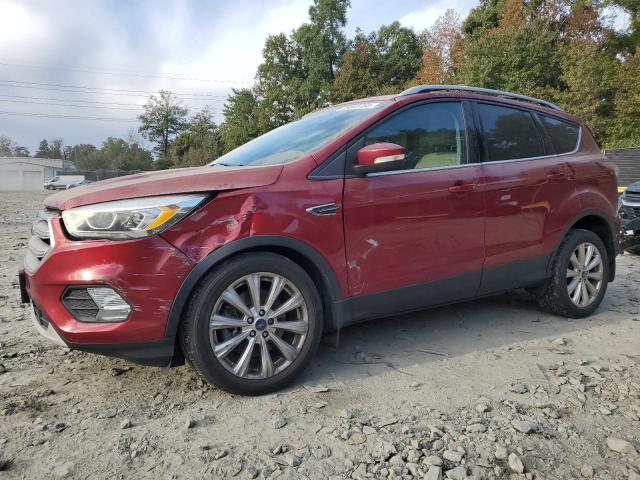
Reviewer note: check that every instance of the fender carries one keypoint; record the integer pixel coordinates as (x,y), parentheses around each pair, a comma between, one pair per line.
(336,305)
(614,235)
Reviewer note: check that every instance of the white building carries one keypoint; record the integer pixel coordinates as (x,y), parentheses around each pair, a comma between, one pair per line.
(26,173)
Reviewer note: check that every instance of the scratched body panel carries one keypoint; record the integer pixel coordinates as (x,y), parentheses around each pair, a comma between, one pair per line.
(277,209)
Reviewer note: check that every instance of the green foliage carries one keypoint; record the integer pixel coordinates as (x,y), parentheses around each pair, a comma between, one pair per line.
(522,59)
(296,74)
(55,148)
(624,129)
(114,154)
(484,16)
(9,148)
(399,55)
(164,116)
(20,151)
(43,150)
(199,144)
(241,124)
(378,63)
(561,50)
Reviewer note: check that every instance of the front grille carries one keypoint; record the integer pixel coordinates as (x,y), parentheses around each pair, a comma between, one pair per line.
(629,213)
(632,196)
(40,242)
(80,304)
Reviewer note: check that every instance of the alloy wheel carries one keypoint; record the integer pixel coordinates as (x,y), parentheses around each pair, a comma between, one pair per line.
(258,325)
(584,274)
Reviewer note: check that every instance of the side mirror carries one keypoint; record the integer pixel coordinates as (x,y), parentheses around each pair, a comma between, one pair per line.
(379,157)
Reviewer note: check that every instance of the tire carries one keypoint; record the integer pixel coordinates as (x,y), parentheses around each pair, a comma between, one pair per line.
(554,297)
(633,250)
(259,375)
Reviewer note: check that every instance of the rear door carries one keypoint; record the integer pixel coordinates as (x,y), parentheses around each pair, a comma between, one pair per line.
(415,237)
(526,185)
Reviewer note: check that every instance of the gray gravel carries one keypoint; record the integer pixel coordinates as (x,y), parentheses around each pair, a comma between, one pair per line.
(491,389)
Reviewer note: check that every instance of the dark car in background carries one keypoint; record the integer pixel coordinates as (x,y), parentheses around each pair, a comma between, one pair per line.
(630,219)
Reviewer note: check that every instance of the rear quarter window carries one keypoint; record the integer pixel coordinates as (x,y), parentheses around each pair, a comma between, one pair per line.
(509,133)
(563,135)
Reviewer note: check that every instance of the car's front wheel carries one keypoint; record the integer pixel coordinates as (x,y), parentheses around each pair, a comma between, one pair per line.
(253,324)
(580,274)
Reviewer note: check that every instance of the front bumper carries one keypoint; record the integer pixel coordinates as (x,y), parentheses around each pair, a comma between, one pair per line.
(147,272)
(158,353)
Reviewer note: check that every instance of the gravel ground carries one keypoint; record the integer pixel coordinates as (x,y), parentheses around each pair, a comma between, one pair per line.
(487,389)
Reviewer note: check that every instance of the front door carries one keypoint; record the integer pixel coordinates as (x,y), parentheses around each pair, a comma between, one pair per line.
(415,237)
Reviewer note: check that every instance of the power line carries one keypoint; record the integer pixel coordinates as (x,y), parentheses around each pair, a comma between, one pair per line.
(70,100)
(129,73)
(70,105)
(75,103)
(67,117)
(103,91)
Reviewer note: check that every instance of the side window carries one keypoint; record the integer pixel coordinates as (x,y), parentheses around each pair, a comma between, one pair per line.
(563,135)
(433,134)
(509,133)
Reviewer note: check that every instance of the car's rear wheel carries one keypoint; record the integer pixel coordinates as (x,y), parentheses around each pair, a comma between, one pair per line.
(579,279)
(253,324)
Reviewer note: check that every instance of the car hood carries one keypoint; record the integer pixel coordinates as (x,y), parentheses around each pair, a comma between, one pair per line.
(165,182)
(634,188)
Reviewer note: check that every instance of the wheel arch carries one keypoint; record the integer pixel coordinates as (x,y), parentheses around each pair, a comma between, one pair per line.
(596,221)
(298,251)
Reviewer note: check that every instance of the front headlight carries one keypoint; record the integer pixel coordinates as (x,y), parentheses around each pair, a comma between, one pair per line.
(126,219)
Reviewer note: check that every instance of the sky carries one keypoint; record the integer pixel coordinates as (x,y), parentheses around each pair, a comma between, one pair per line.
(97,61)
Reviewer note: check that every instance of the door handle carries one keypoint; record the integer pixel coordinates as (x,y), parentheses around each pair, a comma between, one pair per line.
(556,176)
(463,188)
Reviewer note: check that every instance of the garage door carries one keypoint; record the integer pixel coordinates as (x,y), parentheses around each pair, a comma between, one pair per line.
(10,180)
(32,180)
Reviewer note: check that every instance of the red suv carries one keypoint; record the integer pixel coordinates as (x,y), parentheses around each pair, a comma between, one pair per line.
(361,210)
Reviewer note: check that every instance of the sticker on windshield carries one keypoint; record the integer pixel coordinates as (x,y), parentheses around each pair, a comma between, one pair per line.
(358,106)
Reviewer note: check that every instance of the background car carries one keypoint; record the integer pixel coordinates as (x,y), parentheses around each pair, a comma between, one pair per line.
(86,181)
(630,219)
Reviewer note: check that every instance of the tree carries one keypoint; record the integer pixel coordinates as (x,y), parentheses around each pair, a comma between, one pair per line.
(298,70)
(381,62)
(399,55)
(114,154)
(9,148)
(441,50)
(55,148)
(43,150)
(627,42)
(164,116)
(19,151)
(359,75)
(82,156)
(199,144)
(240,124)
(624,130)
(6,146)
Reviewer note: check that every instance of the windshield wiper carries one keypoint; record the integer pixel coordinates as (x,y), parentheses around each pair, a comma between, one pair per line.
(227,164)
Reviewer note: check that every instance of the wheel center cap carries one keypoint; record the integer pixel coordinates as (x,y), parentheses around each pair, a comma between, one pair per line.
(261,324)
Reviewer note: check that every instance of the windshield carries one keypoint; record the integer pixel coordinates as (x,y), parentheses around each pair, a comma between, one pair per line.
(297,139)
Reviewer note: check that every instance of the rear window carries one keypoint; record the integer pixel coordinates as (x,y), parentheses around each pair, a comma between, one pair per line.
(563,135)
(509,133)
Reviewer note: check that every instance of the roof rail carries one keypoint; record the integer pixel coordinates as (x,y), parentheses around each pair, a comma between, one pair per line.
(485,91)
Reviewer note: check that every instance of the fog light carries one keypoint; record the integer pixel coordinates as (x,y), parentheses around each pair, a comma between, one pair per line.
(111,306)
(96,304)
